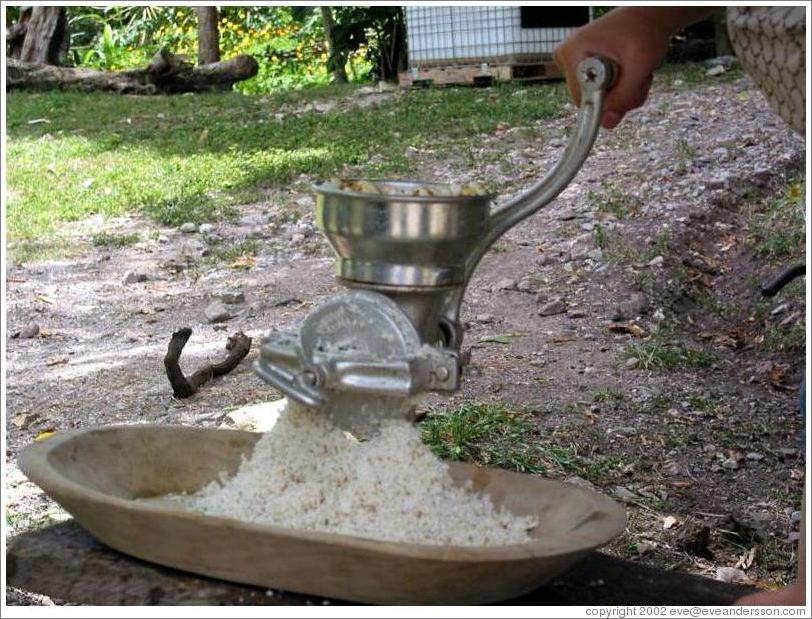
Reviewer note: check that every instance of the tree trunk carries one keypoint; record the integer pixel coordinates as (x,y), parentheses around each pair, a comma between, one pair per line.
(723,47)
(208,37)
(15,34)
(46,36)
(335,61)
(166,74)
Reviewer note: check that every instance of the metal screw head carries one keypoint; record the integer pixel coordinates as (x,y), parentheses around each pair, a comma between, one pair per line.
(442,373)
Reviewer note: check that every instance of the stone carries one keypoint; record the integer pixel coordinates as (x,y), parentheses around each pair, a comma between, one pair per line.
(795,516)
(576,313)
(643,548)
(788,453)
(505,284)
(556,306)
(732,575)
(716,70)
(656,261)
(134,277)
(589,226)
(252,220)
(626,431)
(525,285)
(206,229)
(727,62)
(780,309)
(232,297)
(305,202)
(29,331)
(636,305)
(484,318)
(297,238)
(575,480)
(624,494)
(217,312)
(162,238)
(595,254)
(709,448)
(754,456)
(188,228)
(555,143)
(730,464)
(718,182)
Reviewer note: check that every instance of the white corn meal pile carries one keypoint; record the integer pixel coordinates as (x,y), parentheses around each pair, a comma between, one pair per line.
(307,474)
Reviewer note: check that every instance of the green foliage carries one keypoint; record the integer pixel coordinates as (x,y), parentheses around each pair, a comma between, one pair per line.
(778,226)
(108,239)
(493,435)
(657,355)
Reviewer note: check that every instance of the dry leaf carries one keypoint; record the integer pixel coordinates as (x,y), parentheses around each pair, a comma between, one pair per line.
(45,434)
(746,560)
(56,360)
(631,329)
(680,484)
(43,299)
(244,262)
(561,339)
(669,522)
(777,374)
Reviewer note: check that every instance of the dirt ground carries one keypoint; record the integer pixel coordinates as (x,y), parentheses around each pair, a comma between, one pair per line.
(653,233)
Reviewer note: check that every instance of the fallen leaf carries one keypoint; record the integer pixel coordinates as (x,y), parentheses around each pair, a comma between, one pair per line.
(631,329)
(56,360)
(24,420)
(746,560)
(669,522)
(244,262)
(561,339)
(681,484)
(45,434)
(503,338)
(796,474)
(43,299)
(777,374)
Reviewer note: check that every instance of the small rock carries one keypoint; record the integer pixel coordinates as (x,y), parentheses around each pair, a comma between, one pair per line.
(658,316)
(217,312)
(732,575)
(305,202)
(643,548)
(636,305)
(484,318)
(555,143)
(728,62)
(589,226)
(134,277)
(788,453)
(714,71)
(29,331)
(631,363)
(595,254)
(709,448)
(525,285)
(252,219)
(656,261)
(576,313)
(624,494)
(220,327)
(24,420)
(232,298)
(188,228)
(780,309)
(162,238)
(505,284)
(575,480)
(556,306)
(678,83)
(626,431)
(718,182)
(297,238)
(754,456)
(730,464)
(206,229)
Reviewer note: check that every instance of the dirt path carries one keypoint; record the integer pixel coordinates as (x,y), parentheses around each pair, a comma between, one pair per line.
(653,230)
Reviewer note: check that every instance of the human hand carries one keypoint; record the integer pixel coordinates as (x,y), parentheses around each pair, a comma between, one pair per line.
(636,39)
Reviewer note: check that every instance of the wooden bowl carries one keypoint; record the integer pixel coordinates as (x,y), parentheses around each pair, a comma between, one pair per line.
(96,474)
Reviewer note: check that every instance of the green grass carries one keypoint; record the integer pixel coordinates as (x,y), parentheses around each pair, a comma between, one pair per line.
(658,355)
(192,158)
(114,241)
(699,403)
(608,394)
(615,202)
(600,236)
(493,435)
(249,247)
(777,226)
(780,339)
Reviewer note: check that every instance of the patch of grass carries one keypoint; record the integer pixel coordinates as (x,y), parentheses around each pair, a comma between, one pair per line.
(658,355)
(685,155)
(249,247)
(193,158)
(699,403)
(691,74)
(602,470)
(616,202)
(780,339)
(493,435)
(608,394)
(600,236)
(114,241)
(778,226)
(25,251)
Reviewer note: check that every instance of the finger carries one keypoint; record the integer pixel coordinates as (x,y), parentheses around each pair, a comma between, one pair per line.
(610,120)
(567,68)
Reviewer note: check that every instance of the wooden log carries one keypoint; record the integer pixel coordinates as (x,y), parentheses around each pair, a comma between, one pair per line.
(165,74)
(66,563)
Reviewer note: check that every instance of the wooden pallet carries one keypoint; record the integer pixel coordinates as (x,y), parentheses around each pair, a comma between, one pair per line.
(480,74)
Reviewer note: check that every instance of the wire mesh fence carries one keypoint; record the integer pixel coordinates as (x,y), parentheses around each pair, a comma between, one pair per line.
(442,36)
